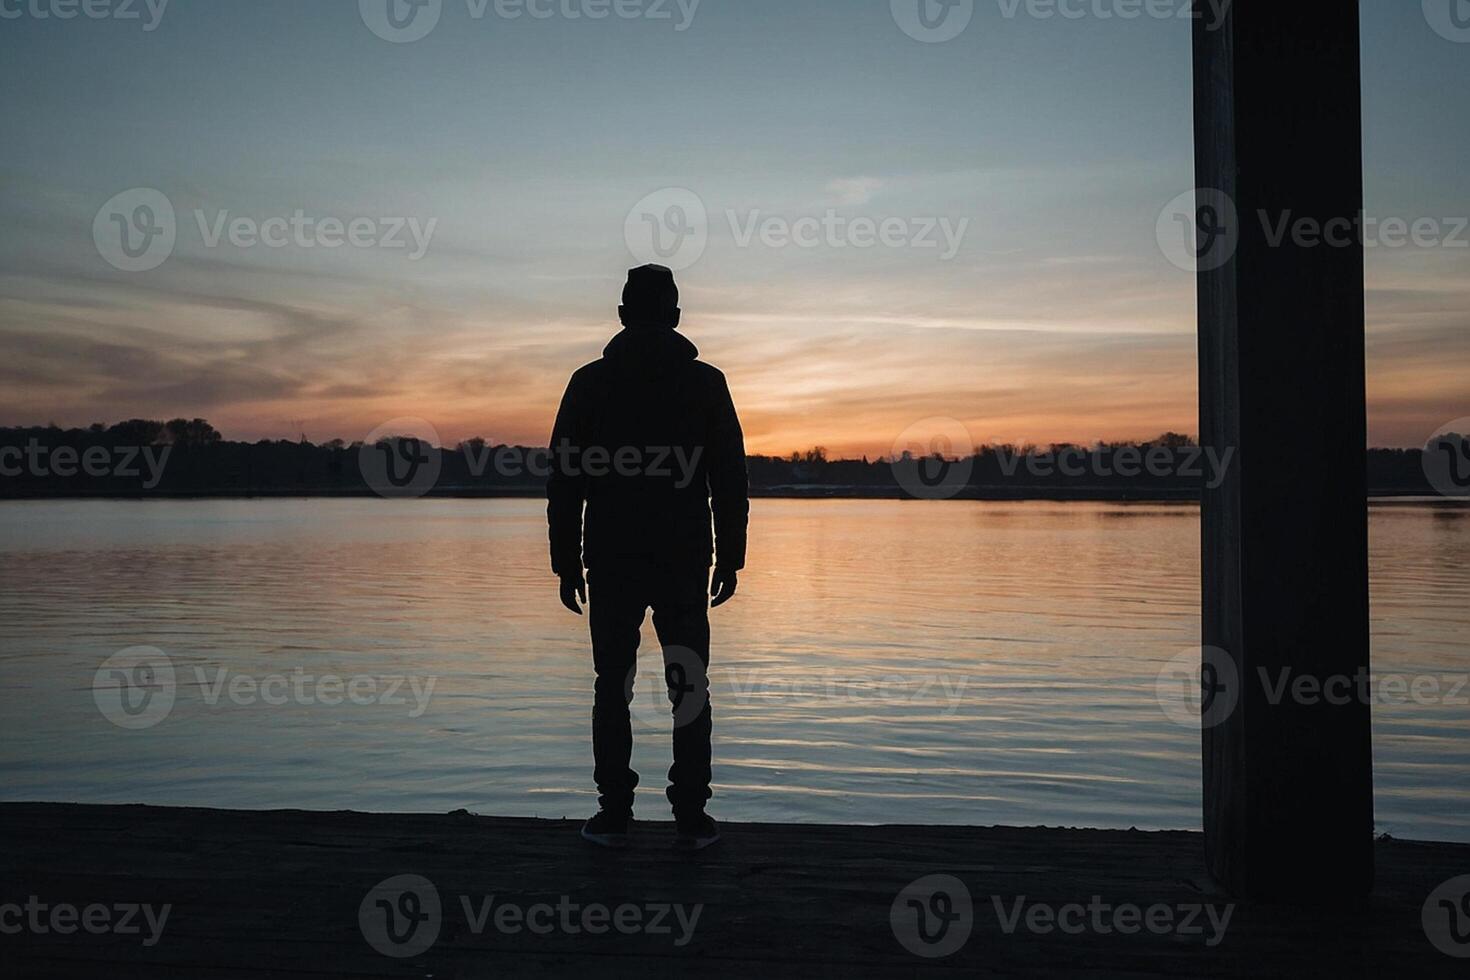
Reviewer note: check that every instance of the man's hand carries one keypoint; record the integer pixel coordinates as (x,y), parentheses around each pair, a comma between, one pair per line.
(574,592)
(723,586)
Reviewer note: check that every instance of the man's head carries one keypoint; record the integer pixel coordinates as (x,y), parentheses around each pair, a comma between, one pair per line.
(650,299)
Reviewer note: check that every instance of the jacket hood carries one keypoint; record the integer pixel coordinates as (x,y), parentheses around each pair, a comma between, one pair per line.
(650,348)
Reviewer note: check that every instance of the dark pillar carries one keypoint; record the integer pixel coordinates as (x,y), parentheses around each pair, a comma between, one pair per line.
(1288,783)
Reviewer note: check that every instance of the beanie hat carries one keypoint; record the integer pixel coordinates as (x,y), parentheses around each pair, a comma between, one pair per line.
(651,290)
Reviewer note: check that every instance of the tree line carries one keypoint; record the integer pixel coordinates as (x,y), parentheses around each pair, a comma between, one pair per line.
(189,457)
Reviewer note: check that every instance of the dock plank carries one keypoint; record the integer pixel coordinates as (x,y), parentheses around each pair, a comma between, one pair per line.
(279,894)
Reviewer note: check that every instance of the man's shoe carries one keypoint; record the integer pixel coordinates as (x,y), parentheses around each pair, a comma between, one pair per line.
(608,829)
(695,833)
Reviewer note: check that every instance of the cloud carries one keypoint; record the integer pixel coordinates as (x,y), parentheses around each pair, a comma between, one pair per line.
(852,192)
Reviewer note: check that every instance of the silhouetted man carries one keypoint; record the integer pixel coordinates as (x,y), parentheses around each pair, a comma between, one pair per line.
(647,439)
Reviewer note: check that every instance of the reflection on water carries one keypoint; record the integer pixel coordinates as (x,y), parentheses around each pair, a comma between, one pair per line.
(885,661)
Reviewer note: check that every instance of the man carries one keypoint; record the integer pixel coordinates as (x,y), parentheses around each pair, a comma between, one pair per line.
(647,440)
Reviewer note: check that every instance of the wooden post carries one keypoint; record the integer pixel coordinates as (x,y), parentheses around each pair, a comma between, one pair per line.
(1288,778)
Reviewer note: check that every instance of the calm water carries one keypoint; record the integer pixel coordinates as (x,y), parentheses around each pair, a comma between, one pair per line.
(885,661)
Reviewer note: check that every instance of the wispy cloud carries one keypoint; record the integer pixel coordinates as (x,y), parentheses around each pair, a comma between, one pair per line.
(852,192)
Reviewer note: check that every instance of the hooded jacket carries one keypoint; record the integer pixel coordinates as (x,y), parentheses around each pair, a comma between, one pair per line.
(648,442)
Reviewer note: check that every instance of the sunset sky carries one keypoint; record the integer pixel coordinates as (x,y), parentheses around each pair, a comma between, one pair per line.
(1055,142)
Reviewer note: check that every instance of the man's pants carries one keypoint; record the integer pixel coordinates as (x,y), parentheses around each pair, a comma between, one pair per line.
(621,592)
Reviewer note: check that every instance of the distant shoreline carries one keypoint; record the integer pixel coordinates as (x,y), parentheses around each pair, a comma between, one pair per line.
(813,492)
(188,459)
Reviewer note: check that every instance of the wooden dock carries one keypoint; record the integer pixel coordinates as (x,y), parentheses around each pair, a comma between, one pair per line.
(297,894)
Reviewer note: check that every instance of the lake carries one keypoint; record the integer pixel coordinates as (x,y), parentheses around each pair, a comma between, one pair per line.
(885,661)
